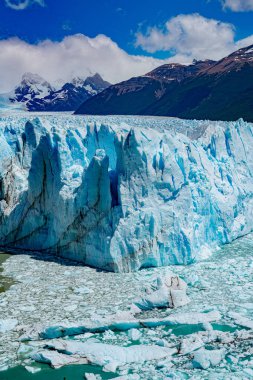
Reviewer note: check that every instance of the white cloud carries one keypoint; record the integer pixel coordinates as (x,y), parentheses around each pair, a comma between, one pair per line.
(19,5)
(75,55)
(238,5)
(191,36)
(187,37)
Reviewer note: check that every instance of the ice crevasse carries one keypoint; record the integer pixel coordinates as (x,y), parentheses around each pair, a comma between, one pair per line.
(123,193)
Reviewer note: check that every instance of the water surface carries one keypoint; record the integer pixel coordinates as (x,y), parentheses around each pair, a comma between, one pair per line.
(71,372)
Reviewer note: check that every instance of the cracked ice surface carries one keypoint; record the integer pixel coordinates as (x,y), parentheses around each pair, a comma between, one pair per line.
(124,193)
(50,293)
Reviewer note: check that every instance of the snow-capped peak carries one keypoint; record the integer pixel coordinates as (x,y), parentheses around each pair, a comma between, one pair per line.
(36,94)
(32,78)
(78,82)
(31,86)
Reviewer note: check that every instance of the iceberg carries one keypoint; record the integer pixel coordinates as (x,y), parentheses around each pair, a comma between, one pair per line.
(124,193)
(100,353)
(7,325)
(203,358)
(114,323)
(165,292)
(56,359)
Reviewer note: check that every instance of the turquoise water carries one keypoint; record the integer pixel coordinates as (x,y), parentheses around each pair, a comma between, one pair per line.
(192,329)
(71,372)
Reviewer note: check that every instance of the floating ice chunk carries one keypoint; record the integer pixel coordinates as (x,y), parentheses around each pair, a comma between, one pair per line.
(3,367)
(114,323)
(56,359)
(191,343)
(183,319)
(111,366)
(241,320)
(25,350)
(248,372)
(244,334)
(91,376)
(27,308)
(204,359)
(32,369)
(7,325)
(103,354)
(207,326)
(71,308)
(134,334)
(133,376)
(162,343)
(83,290)
(168,292)
(193,280)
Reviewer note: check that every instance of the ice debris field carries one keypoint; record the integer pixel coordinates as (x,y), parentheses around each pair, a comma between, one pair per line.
(63,314)
(122,194)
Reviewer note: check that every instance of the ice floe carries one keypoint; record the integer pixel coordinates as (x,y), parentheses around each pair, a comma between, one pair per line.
(205,358)
(46,304)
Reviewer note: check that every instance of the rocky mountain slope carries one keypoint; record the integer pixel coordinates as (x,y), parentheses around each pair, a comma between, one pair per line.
(220,90)
(112,192)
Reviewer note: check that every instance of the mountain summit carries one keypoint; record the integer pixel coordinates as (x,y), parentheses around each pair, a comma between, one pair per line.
(70,95)
(34,93)
(221,90)
(31,86)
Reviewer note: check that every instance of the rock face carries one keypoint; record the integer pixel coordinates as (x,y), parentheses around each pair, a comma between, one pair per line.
(124,193)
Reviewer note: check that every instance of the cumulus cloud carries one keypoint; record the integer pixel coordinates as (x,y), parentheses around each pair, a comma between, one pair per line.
(238,5)
(190,37)
(19,5)
(75,55)
(185,37)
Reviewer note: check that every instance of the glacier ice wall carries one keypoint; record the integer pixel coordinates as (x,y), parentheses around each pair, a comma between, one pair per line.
(123,193)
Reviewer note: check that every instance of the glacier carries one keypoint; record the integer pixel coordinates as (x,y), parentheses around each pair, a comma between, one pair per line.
(124,193)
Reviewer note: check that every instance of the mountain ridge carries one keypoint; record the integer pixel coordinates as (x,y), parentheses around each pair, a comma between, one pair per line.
(203,90)
(34,93)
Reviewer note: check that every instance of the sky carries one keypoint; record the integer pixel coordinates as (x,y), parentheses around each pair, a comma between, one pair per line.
(61,39)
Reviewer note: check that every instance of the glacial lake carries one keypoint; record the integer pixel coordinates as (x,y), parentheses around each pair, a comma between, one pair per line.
(71,372)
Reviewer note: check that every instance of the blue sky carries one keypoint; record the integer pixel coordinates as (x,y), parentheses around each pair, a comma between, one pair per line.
(118,19)
(178,30)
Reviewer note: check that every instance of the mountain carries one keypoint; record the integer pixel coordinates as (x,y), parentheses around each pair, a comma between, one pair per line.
(70,96)
(32,86)
(127,193)
(178,72)
(34,93)
(212,90)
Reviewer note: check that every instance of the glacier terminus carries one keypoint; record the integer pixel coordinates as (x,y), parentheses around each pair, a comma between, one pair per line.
(124,193)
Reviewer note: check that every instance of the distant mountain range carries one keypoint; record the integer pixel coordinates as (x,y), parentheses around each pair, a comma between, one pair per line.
(221,90)
(34,93)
